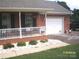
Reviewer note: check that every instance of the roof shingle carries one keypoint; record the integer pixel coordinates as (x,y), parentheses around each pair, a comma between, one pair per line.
(53,6)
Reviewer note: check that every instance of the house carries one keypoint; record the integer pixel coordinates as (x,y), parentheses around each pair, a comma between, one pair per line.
(24,20)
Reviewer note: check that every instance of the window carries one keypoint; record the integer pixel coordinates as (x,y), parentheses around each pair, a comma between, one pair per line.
(6,20)
(28,21)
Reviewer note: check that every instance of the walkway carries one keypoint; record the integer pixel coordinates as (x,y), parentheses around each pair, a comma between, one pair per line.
(31,49)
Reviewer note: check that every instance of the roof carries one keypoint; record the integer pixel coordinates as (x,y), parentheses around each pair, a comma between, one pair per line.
(32,5)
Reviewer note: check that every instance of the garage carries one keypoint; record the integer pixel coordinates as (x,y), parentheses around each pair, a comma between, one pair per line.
(54,25)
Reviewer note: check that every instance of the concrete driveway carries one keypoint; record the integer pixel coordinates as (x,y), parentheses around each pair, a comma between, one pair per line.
(72,38)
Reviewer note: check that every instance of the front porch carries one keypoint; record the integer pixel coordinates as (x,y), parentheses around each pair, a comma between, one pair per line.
(21,24)
(21,32)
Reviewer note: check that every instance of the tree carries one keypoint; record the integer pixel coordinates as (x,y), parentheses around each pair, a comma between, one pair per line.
(75,16)
(75,19)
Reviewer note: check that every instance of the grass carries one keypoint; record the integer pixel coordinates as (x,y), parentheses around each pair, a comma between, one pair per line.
(67,52)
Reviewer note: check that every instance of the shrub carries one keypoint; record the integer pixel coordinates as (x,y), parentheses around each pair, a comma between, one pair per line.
(33,42)
(21,44)
(6,46)
(43,41)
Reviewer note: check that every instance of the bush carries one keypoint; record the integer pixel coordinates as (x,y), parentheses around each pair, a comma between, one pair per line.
(33,42)
(21,44)
(6,46)
(43,41)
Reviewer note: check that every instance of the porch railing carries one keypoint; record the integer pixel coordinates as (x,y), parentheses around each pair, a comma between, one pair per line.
(15,32)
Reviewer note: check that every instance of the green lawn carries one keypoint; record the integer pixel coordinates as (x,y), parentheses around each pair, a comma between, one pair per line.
(67,52)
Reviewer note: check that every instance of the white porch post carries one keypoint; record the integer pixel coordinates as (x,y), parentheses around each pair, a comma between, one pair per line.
(20,25)
(45,22)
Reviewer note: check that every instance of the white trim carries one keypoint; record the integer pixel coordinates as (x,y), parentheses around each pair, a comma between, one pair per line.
(61,13)
(26,8)
(63,24)
(15,9)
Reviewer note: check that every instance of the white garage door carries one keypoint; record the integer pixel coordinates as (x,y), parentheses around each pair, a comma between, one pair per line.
(54,25)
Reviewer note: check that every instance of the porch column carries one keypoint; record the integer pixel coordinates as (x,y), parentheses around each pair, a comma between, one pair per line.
(45,22)
(20,25)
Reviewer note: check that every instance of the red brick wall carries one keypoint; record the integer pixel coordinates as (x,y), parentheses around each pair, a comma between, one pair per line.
(66,23)
(23,39)
(40,20)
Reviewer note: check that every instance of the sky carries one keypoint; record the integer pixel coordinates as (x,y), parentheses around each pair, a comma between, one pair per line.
(71,3)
